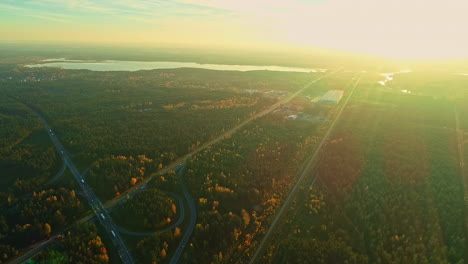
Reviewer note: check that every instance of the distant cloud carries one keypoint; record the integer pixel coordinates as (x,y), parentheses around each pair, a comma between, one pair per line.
(33,14)
(397,27)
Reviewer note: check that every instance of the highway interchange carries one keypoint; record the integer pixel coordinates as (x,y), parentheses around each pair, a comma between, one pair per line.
(96,205)
(193,216)
(100,209)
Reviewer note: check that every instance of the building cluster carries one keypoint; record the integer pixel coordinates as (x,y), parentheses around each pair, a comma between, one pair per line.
(332,97)
(293,112)
(275,94)
(272,94)
(34,79)
(24,79)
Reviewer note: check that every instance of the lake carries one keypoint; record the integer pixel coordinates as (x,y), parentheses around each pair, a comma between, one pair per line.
(390,76)
(115,65)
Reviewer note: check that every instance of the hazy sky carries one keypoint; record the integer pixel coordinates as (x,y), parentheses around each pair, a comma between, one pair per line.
(398,28)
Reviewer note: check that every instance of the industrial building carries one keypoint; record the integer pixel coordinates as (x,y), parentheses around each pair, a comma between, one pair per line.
(332,97)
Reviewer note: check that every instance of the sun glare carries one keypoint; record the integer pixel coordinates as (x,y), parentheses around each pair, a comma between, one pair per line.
(401,29)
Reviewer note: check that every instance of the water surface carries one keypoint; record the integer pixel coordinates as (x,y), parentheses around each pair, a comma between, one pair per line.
(115,65)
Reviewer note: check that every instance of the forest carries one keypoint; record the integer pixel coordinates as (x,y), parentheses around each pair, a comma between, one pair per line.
(152,113)
(82,244)
(236,187)
(122,127)
(27,157)
(387,188)
(31,218)
(150,209)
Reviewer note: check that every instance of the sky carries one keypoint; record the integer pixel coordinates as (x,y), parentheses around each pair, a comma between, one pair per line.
(392,28)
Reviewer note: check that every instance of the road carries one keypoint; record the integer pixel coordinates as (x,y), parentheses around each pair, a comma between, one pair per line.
(202,147)
(179,164)
(115,201)
(59,174)
(96,205)
(461,151)
(181,216)
(304,173)
(36,248)
(193,216)
(464,178)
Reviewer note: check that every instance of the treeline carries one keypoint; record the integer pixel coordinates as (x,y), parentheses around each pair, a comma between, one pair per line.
(80,245)
(112,175)
(16,122)
(314,231)
(30,166)
(26,163)
(238,184)
(28,219)
(157,247)
(388,190)
(150,209)
(27,158)
(154,205)
(97,114)
(100,114)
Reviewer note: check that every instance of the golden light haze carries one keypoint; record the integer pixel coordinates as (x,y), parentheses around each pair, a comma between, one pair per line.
(398,28)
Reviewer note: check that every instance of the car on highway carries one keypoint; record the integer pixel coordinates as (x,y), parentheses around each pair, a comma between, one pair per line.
(103,217)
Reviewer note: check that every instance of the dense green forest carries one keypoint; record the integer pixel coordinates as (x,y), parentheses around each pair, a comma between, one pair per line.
(385,189)
(239,182)
(27,157)
(155,248)
(122,126)
(119,173)
(28,219)
(388,187)
(146,112)
(150,209)
(236,187)
(82,244)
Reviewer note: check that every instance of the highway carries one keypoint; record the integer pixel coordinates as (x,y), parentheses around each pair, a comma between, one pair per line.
(193,216)
(181,215)
(37,247)
(461,152)
(96,205)
(59,174)
(176,164)
(285,205)
(464,178)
